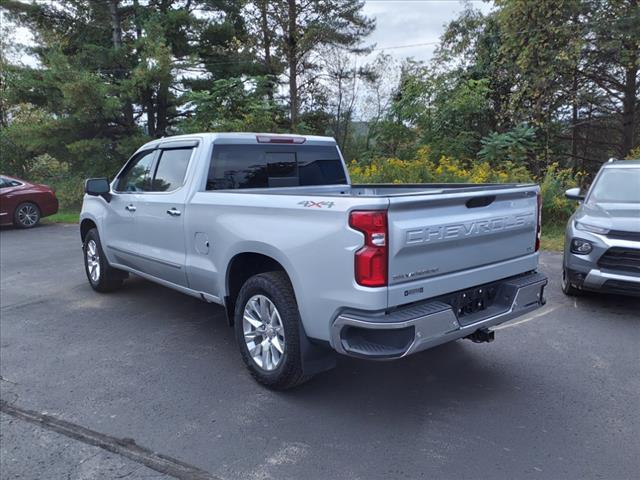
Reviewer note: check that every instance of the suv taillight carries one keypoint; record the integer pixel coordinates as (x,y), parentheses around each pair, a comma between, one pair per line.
(539,223)
(371,259)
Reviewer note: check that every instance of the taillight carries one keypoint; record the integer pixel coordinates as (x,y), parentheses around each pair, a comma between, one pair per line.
(539,223)
(371,259)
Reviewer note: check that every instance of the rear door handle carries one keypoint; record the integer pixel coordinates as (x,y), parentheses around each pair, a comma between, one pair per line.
(174,212)
(130,208)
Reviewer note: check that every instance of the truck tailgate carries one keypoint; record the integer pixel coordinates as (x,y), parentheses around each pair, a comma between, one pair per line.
(439,243)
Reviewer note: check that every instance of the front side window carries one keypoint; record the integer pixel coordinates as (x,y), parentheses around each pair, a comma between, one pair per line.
(616,185)
(260,166)
(6,183)
(171,169)
(135,177)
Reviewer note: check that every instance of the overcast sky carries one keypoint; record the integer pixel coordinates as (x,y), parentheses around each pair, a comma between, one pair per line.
(407,22)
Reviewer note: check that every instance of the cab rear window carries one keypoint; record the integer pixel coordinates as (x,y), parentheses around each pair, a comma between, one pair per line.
(261,166)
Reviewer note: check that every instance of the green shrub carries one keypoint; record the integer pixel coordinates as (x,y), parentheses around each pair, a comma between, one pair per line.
(50,171)
(555,207)
(70,193)
(634,154)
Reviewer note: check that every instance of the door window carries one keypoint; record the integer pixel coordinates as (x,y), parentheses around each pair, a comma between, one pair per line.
(6,183)
(135,176)
(171,169)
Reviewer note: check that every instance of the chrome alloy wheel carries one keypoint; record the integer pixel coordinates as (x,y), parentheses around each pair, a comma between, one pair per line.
(28,215)
(93,260)
(263,332)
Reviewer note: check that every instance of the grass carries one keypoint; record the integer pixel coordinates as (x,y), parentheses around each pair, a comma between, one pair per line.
(553,237)
(63,217)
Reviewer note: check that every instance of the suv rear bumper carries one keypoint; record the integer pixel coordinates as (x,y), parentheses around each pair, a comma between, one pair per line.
(426,324)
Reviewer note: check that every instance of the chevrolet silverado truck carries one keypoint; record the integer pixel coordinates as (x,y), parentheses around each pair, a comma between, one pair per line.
(307,264)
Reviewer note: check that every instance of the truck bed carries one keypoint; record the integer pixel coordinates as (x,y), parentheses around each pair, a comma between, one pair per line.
(384,189)
(441,237)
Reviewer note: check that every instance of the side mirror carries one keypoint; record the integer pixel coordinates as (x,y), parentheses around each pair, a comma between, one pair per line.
(574,194)
(98,187)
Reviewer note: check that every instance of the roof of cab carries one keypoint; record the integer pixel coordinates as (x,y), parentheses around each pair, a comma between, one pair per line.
(237,137)
(621,164)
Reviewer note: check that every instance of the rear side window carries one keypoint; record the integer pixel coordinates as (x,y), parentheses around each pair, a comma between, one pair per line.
(260,166)
(135,177)
(171,169)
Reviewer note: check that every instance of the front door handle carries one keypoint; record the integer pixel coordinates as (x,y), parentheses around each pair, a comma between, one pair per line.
(130,208)
(174,212)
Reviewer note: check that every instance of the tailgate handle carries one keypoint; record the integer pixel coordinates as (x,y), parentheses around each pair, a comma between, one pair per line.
(477,202)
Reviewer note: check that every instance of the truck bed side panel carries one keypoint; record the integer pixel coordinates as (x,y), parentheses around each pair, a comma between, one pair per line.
(310,239)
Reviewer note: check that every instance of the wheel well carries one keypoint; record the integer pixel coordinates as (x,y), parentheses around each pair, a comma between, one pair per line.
(242,267)
(85,226)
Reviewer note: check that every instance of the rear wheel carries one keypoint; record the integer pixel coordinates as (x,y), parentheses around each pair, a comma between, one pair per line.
(26,215)
(102,277)
(567,288)
(267,327)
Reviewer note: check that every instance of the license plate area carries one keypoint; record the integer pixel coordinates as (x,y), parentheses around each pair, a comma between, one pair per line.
(473,300)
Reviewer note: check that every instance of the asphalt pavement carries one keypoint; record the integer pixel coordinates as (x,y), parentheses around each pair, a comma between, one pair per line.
(148,383)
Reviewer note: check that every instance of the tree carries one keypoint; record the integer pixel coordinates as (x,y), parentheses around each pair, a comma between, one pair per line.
(302,28)
(612,60)
(576,56)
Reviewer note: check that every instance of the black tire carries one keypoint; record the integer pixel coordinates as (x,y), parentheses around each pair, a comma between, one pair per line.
(26,215)
(567,288)
(277,288)
(108,278)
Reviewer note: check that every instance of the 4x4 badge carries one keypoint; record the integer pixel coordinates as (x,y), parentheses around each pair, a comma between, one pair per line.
(311,204)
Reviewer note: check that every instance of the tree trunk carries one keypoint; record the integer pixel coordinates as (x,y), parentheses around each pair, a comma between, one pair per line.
(629,109)
(292,54)
(574,121)
(146,93)
(162,122)
(116,29)
(162,94)
(266,44)
(116,38)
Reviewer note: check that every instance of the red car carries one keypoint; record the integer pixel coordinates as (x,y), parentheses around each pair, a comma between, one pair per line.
(24,204)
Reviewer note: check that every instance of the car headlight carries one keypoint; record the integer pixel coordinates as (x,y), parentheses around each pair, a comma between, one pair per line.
(585,227)
(580,246)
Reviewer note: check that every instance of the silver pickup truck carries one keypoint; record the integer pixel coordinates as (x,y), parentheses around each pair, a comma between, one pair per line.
(307,264)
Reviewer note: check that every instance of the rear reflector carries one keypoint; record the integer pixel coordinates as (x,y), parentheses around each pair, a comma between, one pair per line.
(274,139)
(371,259)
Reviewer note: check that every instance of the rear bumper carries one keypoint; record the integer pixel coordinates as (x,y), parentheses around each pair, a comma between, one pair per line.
(426,324)
(49,207)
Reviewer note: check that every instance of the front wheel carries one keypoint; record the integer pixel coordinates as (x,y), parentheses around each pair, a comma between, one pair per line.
(102,277)
(267,327)
(27,215)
